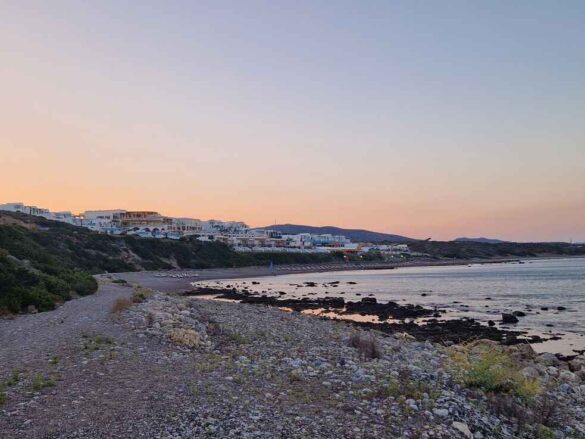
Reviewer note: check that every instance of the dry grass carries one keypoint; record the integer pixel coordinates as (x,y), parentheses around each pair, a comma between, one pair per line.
(185,337)
(366,344)
(121,305)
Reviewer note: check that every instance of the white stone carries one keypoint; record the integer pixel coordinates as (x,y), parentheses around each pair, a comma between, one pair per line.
(463,428)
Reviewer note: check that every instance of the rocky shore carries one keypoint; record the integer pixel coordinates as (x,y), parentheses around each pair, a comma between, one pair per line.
(175,366)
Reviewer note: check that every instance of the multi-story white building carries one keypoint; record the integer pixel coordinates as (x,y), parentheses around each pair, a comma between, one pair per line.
(99,220)
(186,226)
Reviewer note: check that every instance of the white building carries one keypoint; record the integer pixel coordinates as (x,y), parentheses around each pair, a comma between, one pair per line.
(66,217)
(100,220)
(226,228)
(186,226)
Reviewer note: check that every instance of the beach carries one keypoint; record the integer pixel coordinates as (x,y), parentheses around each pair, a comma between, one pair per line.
(170,365)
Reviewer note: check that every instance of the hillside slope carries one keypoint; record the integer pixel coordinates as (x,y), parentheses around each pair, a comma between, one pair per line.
(356,235)
(44,262)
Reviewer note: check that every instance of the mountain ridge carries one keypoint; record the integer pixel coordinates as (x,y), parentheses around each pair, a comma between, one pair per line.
(355,235)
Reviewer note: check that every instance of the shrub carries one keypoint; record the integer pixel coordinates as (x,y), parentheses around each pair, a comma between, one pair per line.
(367,345)
(490,369)
(2,395)
(121,305)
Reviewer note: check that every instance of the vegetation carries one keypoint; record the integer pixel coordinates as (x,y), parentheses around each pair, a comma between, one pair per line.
(40,382)
(489,368)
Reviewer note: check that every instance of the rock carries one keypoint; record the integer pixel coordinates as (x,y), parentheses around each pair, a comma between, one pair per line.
(31,309)
(549,359)
(522,352)
(463,428)
(570,377)
(576,365)
(530,372)
(519,314)
(491,323)
(509,318)
(552,371)
(561,308)
(442,413)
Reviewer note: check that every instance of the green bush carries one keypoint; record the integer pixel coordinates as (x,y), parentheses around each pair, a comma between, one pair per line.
(491,369)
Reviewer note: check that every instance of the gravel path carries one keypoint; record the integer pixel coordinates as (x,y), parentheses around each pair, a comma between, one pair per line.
(177,367)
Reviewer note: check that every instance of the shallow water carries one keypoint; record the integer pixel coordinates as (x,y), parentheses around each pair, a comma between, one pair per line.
(481,291)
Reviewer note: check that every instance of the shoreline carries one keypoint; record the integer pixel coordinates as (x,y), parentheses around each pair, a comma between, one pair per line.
(453,329)
(171,280)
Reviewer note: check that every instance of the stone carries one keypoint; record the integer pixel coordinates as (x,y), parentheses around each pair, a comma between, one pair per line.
(530,372)
(568,376)
(549,359)
(463,428)
(552,371)
(442,413)
(576,365)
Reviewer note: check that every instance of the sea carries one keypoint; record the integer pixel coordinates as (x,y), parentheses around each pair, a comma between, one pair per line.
(537,287)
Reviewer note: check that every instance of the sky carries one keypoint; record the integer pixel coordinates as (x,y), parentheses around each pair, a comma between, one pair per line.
(422,118)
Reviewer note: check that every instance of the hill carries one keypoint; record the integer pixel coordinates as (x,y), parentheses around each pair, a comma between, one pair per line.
(481,240)
(482,250)
(356,235)
(43,262)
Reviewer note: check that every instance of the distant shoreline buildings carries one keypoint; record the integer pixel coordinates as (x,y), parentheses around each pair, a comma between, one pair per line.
(235,234)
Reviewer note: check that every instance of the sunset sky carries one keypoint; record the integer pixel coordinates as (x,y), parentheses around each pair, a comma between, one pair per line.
(422,118)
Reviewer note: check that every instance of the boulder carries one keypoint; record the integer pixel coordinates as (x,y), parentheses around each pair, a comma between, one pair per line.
(519,314)
(522,352)
(509,318)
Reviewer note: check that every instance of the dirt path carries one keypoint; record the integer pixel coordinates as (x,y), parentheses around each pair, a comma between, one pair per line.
(77,369)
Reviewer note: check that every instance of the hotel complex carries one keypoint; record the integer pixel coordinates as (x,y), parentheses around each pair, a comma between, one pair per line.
(237,235)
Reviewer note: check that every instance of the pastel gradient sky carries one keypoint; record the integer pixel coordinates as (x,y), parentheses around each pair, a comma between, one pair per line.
(424,118)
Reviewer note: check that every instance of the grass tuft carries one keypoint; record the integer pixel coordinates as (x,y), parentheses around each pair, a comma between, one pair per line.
(40,382)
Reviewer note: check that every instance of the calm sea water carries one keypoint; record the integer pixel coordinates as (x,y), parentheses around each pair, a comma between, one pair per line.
(483,292)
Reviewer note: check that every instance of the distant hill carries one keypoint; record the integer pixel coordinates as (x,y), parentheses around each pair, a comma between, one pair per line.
(356,235)
(482,240)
